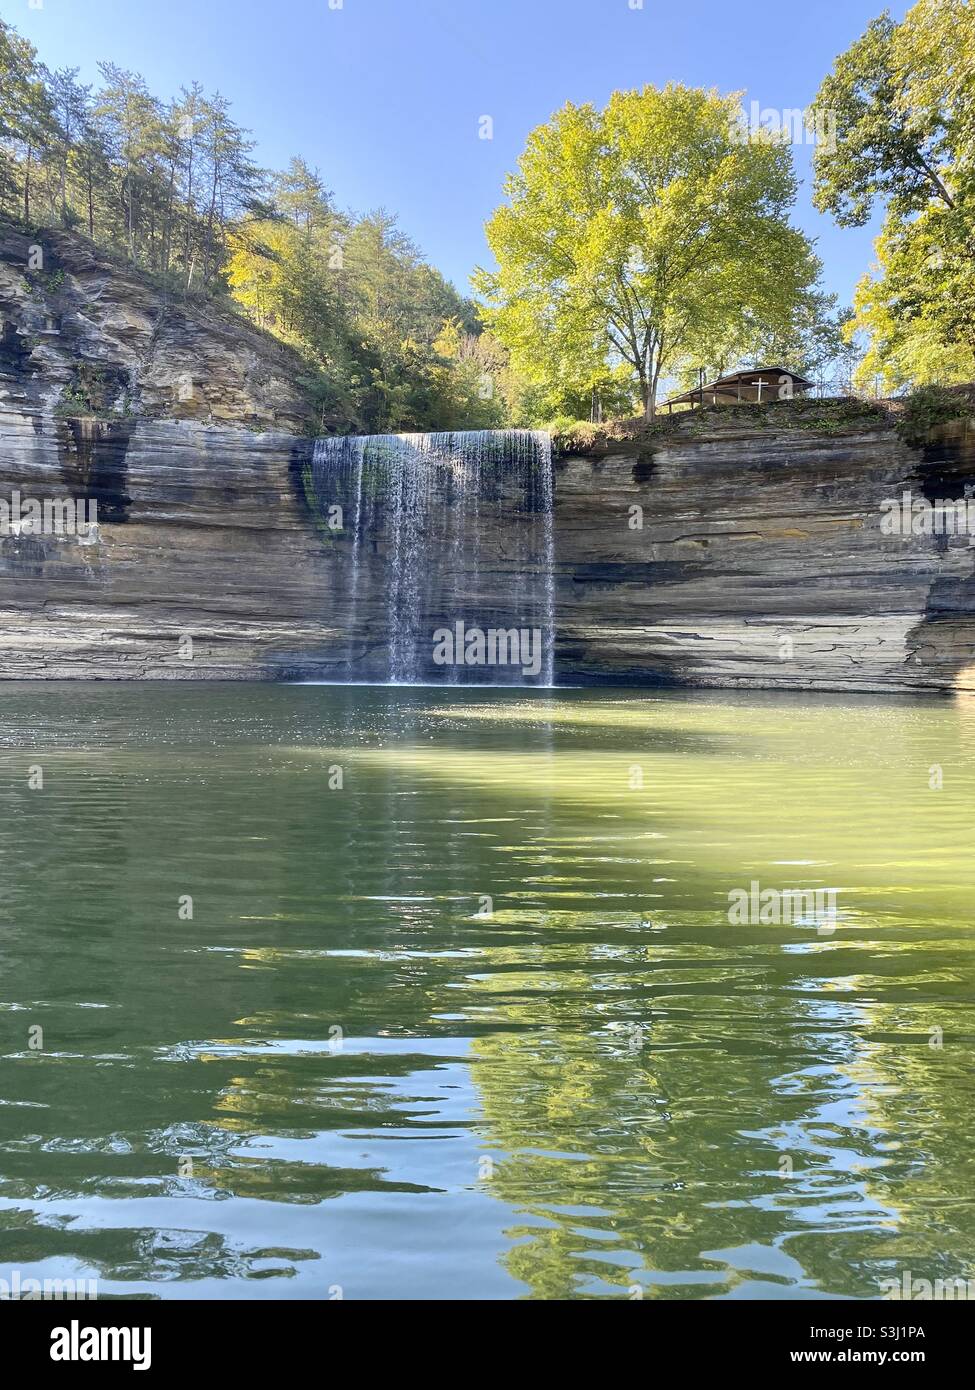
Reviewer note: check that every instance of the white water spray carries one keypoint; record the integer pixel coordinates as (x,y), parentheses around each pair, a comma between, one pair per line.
(443,527)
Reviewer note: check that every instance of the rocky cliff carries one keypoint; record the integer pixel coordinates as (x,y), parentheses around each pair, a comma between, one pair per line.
(758,557)
(738,547)
(183,425)
(80,330)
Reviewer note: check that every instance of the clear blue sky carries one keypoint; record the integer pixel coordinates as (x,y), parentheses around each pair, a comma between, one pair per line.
(384,96)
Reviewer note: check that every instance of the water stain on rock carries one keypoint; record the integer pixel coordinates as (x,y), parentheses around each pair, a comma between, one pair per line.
(947,470)
(644,467)
(23,556)
(93,456)
(14,350)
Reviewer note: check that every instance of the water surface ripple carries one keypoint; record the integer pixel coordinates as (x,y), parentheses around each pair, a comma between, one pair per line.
(348,1072)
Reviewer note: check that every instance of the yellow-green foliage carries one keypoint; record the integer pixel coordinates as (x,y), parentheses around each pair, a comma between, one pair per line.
(639,235)
(904,100)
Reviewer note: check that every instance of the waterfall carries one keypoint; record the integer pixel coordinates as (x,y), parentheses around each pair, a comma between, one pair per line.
(440,533)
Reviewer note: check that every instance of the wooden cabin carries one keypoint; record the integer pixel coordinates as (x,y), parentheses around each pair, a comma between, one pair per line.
(752,386)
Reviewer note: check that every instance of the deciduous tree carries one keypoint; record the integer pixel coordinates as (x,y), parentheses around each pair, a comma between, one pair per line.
(640,235)
(904,99)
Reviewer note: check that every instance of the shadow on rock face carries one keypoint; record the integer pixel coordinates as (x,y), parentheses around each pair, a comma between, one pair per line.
(14,350)
(944,639)
(93,455)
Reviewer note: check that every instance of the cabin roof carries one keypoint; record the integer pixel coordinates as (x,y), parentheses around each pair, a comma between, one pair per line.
(728,385)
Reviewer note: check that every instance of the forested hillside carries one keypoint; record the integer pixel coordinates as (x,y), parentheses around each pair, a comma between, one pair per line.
(172,187)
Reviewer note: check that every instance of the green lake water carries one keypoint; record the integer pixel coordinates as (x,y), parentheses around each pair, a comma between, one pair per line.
(349,1073)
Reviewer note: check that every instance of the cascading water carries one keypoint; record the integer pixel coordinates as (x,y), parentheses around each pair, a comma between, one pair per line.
(438,533)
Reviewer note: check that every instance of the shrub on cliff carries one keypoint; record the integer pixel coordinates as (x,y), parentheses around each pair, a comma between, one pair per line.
(930,406)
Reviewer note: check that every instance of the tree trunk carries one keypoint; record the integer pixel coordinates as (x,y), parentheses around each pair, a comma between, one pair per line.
(129,213)
(189,207)
(170,214)
(211,214)
(30,152)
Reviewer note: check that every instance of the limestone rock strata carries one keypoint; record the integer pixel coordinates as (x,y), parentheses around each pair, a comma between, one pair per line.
(758,559)
(761,562)
(201,535)
(75,323)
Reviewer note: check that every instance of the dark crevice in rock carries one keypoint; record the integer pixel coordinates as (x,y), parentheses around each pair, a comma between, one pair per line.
(14,350)
(93,454)
(299,465)
(645,467)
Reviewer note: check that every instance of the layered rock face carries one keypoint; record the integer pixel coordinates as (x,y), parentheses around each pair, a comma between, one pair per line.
(756,558)
(204,562)
(203,565)
(733,549)
(77,326)
(759,559)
